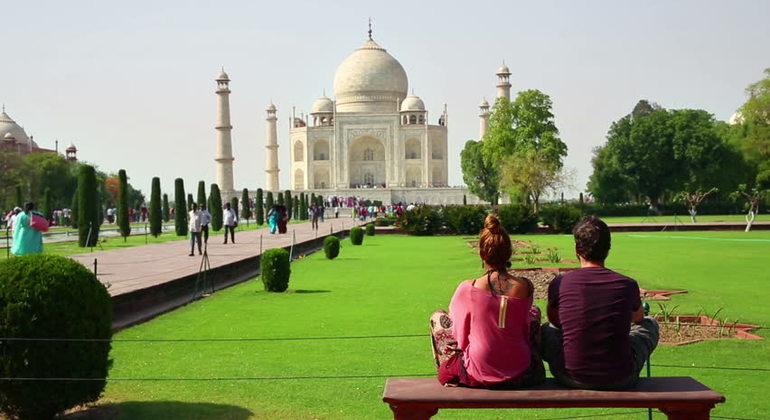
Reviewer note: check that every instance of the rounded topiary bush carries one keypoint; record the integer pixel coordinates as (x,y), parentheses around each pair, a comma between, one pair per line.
(331,247)
(47,296)
(276,270)
(370,229)
(356,235)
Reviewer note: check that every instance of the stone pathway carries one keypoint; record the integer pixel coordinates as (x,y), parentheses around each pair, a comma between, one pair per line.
(130,269)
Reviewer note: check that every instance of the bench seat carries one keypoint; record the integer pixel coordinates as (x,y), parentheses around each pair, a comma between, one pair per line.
(679,398)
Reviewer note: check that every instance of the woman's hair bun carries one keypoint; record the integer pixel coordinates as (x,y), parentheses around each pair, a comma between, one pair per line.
(492,224)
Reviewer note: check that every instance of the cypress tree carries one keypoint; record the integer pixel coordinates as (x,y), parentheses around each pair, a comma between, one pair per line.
(289,203)
(215,208)
(47,205)
(302,210)
(74,209)
(124,225)
(269,201)
(180,213)
(234,206)
(156,218)
(320,200)
(280,199)
(189,201)
(295,207)
(19,200)
(246,210)
(201,193)
(166,208)
(304,206)
(88,226)
(259,208)
(312,199)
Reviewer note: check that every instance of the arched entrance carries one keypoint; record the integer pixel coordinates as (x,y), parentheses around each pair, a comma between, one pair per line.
(367,163)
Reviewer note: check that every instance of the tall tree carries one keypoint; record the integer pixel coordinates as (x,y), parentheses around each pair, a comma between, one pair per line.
(156,216)
(755,114)
(234,206)
(124,225)
(269,202)
(74,209)
(190,200)
(201,192)
(259,209)
(47,204)
(19,197)
(166,208)
(180,208)
(215,208)
(295,207)
(246,205)
(531,174)
(481,177)
(88,207)
(289,203)
(279,201)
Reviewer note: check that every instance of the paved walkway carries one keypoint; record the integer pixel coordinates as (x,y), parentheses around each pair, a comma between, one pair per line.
(130,269)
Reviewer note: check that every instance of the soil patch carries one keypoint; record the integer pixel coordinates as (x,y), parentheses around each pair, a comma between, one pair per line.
(688,329)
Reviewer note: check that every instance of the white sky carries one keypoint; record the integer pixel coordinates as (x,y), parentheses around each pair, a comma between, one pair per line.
(131,84)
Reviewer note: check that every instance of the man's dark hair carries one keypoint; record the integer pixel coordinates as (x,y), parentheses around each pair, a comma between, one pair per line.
(592,238)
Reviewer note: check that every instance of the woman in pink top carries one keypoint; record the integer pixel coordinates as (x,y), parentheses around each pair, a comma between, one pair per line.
(488,339)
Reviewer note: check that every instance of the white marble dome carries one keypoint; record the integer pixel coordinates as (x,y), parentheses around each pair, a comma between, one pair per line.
(412,103)
(322,104)
(370,80)
(484,104)
(223,76)
(504,70)
(10,129)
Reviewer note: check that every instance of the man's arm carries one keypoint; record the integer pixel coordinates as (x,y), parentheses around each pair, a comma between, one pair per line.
(553,316)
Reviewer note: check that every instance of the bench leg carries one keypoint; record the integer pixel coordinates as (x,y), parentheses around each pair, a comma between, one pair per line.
(411,412)
(694,413)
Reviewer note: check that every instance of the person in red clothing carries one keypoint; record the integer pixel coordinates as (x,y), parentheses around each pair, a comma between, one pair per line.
(598,336)
(489,337)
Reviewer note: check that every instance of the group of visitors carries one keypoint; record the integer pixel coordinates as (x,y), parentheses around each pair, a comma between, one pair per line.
(277,218)
(199,219)
(596,337)
(26,227)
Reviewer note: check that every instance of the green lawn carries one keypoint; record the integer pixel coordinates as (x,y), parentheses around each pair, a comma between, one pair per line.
(388,287)
(685,218)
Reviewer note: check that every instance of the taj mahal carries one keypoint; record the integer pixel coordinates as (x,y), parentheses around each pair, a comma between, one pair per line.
(373,139)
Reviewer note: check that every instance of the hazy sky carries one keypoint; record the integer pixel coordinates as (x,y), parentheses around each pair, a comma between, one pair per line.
(131,84)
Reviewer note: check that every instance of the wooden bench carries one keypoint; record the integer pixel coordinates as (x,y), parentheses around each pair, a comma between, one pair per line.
(680,398)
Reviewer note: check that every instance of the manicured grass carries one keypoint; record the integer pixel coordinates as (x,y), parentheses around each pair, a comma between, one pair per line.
(685,218)
(388,287)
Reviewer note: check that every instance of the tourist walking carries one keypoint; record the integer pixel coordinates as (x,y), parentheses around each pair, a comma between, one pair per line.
(26,239)
(314,217)
(205,221)
(230,221)
(283,219)
(489,337)
(273,216)
(194,225)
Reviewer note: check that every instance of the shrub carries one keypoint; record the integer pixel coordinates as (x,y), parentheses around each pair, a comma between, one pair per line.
(370,229)
(276,270)
(48,296)
(201,192)
(166,208)
(517,218)
(385,221)
(259,209)
(466,220)
(289,203)
(215,208)
(122,217)
(561,218)
(356,235)
(245,205)
(421,221)
(88,207)
(180,208)
(331,247)
(156,218)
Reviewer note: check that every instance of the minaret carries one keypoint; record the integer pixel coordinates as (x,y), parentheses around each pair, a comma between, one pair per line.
(483,118)
(271,157)
(224,156)
(503,82)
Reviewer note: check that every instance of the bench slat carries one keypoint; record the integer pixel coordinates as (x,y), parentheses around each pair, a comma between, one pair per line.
(650,392)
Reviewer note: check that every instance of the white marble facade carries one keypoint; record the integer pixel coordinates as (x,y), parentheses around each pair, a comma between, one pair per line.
(373,135)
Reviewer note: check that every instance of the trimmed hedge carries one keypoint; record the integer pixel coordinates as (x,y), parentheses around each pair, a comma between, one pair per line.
(48,296)
(276,270)
(517,218)
(331,247)
(561,218)
(465,220)
(421,221)
(385,221)
(356,235)
(370,229)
